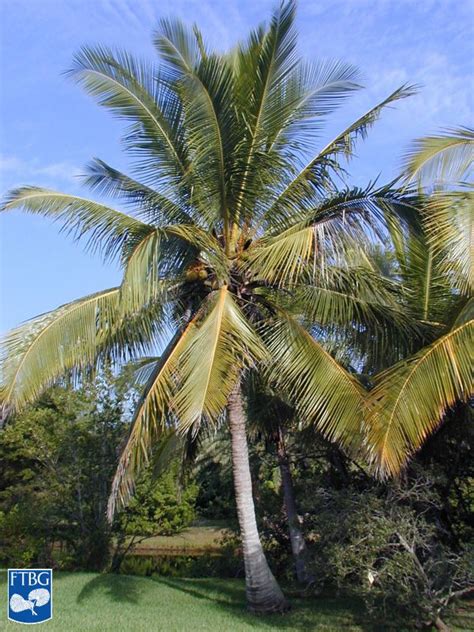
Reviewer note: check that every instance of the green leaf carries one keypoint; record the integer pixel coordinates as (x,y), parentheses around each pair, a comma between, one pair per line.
(106,229)
(409,400)
(221,345)
(212,132)
(37,353)
(177,45)
(315,174)
(448,220)
(445,157)
(191,383)
(143,201)
(135,92)
(324,394)
(148,424)
(346,223)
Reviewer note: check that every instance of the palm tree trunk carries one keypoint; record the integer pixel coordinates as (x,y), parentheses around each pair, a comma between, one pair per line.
(298,544)
(263,592)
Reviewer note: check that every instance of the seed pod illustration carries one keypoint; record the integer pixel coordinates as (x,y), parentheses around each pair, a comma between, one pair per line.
(18,604)
(40,596)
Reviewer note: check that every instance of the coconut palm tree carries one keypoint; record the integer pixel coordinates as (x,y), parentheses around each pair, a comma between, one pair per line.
(411,398)
(226,226)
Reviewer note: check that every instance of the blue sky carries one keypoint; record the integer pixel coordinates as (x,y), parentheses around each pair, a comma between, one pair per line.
(50,129)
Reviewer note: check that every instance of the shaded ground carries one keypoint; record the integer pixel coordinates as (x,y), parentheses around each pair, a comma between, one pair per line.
(87,602)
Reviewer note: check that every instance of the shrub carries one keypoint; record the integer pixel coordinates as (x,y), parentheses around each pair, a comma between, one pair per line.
(161,505)
(386,548)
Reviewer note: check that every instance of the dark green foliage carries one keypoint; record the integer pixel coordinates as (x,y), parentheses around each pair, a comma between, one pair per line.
(57,460)
(404,546)
(447,461)
(216,494)
(160,505)
(214,475)
(228,564)
(382,546)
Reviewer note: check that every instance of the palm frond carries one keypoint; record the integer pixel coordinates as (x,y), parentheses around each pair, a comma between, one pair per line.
(142,283)
(135,91)
(221,346)
(344,143)
(344,223)
(178,46)
(191,382)
(38,352)
(428,293)
(144,202)
(205,86)
(448,220)
(106,229)
(302,186)
(445,157)
(148,423)
(207,247)
(466,313)
(366,323)
(352,295)
(311,93)
(139,371)
(324,394)
(74,339)
(160,259)
(264,65)
(409,400)
(212,132)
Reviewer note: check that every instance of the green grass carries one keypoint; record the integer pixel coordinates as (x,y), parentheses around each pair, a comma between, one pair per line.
(87,602)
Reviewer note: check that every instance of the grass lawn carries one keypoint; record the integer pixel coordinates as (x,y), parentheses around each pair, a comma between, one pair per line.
(87,602)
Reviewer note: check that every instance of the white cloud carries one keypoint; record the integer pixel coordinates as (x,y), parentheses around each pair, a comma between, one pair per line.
(10,163)
(15,170)
(59,170)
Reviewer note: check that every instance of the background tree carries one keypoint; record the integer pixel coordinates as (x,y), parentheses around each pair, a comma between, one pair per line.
(163,504)
(271,419)
(57,459)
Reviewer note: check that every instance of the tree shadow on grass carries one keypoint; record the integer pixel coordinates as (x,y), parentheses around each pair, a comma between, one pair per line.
(313,613)
(215,589)
(306,614)
(122,588)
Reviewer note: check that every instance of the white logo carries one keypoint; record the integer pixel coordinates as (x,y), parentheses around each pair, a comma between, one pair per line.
(36,598)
